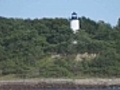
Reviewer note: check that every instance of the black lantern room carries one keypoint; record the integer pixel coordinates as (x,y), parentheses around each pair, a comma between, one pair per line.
(74,16)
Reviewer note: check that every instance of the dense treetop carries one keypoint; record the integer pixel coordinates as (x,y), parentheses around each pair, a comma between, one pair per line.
(26,47)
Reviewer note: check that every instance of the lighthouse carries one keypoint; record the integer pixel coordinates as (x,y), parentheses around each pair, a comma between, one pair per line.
(74,22)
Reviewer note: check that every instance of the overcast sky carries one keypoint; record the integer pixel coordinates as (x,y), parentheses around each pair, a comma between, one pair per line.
(106,10)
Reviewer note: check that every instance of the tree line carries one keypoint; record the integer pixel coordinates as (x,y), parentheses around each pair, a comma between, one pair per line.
(26,47)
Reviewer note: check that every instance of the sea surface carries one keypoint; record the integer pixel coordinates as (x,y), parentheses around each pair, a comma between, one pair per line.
(76,89)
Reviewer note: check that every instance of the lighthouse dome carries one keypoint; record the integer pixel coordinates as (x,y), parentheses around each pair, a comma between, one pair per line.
(74,15)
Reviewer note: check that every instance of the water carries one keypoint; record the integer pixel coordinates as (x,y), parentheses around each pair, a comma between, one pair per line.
(78,89)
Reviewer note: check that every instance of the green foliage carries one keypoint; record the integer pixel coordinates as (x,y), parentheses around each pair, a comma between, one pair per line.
(27,47)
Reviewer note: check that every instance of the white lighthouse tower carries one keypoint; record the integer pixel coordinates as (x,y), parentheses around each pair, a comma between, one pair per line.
(74,22)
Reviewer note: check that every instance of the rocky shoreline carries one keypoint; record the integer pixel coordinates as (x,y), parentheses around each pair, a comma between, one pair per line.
(58,84)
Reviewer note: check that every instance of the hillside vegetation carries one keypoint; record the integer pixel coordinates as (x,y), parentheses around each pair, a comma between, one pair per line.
(43,48)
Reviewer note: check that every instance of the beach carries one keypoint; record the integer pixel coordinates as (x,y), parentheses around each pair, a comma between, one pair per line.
(59,83)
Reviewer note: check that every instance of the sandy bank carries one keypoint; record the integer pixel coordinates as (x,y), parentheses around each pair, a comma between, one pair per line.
(94,81)
(35,84)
